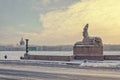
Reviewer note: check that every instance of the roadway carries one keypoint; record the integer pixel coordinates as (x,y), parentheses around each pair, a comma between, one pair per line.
(37,72)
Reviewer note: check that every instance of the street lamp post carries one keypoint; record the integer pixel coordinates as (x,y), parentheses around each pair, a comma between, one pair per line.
(27,49)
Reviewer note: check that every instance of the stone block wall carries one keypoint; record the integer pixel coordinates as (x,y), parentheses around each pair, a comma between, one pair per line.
(52,58)
(111,57)
(101,58)
(89,52)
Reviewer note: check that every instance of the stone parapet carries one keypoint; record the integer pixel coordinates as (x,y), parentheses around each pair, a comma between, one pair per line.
(47,57)
(111,57)
(89,58)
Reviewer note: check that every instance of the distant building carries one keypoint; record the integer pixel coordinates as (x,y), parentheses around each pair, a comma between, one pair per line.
(22,42)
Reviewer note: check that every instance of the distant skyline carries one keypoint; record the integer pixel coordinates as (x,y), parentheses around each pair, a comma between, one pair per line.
(58,22)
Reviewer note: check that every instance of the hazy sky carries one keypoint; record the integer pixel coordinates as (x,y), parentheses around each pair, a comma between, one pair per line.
(57,22)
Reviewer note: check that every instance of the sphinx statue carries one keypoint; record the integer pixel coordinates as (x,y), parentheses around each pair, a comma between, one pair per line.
(90,48)
(87,40)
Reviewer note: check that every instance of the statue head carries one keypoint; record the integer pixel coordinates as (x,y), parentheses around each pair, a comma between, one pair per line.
(85,31)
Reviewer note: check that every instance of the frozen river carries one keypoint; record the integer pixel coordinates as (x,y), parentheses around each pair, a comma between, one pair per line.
(15,55)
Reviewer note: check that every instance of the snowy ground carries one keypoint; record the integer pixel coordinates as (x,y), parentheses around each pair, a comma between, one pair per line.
(74,63)
(47,72)
(15,69)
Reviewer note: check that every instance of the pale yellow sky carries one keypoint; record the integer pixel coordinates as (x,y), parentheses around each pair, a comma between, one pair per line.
(65,26)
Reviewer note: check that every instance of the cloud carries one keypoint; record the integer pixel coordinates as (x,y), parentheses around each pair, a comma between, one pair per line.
(29,34)
(8,35)
(63,22)
(46,1)
(65,26)
(51,5)
(12,34)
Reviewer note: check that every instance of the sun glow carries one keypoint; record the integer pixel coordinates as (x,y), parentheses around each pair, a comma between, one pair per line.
(102,15)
